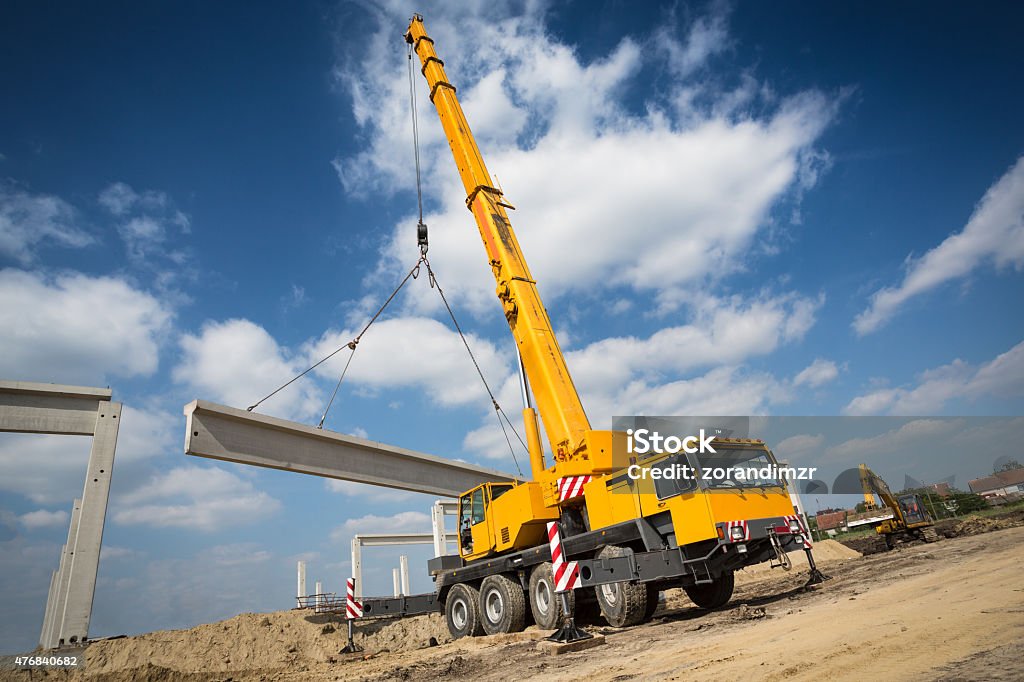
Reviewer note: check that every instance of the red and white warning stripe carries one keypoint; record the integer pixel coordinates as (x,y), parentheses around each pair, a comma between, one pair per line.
(803,530)
(353,609)
(567,573)
(729,525)
(571,486)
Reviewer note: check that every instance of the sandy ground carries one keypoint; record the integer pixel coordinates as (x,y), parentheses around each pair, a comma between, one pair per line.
(953,610)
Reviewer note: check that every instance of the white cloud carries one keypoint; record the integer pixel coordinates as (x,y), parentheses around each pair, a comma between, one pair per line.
(993,234)
(42,518)
(720,391)
(1002,377)
(721,332)
(630,375)
(708,36)
(414,352)
(893,441)
(119,198)
(659,192)
(402,522)
(207,499)
(799,446)
(141,235)
(28,221)
(77,329)
(817,374)
(237,362)
(113,552)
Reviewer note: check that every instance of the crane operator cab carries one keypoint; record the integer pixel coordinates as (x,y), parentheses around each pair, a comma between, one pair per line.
(475,534)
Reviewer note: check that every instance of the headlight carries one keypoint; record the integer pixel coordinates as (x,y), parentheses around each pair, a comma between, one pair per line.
(795,528)
(737,533)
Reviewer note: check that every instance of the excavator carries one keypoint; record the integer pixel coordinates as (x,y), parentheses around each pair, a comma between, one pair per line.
(632,536)
(896,518)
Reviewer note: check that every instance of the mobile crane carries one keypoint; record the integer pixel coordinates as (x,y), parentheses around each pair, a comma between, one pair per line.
(907,517)
(631,535)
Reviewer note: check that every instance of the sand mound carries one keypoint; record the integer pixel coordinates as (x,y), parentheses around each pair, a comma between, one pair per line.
(825,552)
(259,641)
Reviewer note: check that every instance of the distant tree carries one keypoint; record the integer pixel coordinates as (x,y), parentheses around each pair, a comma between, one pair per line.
(967,502)
(1009,466)
(861,507)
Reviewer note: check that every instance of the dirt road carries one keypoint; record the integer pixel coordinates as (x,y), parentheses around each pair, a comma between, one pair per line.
(945,611)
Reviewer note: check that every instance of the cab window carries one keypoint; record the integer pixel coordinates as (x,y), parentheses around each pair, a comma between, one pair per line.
(478,505)
(669,487)
(465,510)
(499,490)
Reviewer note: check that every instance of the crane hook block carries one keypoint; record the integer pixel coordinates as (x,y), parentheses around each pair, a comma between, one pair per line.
(421,235)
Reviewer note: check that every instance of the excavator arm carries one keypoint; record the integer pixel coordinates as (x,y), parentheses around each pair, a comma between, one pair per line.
(873,484)
(559,404)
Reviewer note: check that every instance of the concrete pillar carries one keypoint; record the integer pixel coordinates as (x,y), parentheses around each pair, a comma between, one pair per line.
(437,521)
(403,562)
(86,547)
(357,566)
(319,593)
(51,600)
(64,578)
(300,588)
(395,582)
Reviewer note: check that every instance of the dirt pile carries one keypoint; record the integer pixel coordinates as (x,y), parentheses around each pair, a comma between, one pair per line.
(825,552)
(260,641)
(976,526)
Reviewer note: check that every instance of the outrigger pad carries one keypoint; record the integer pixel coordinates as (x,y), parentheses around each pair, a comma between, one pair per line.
(351,648)
(817,577)
(569,633)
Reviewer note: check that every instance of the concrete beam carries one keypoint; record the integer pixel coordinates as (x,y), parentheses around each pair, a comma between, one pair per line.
(27,407)
(234,435)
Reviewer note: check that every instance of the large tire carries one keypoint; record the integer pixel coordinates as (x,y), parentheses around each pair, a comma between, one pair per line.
(652,601)
(713,595)
(622,604)
(502,605)
(545,605)
(461,612)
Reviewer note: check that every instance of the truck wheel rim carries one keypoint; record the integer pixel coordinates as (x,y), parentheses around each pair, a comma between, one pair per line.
(494,606)
(610,592)
(543,597)
(459,614)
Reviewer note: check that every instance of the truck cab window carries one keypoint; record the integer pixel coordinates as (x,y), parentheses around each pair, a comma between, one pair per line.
(478,506)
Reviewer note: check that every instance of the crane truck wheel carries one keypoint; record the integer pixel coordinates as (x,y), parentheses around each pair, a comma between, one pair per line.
(502,605)
(544,603)
(713,595)
(652,601)
(461,613)
(622,604)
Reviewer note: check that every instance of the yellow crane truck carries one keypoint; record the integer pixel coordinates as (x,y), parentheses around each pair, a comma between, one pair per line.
(632,532)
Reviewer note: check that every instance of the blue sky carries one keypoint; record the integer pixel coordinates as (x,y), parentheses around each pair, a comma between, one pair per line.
(749,209)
